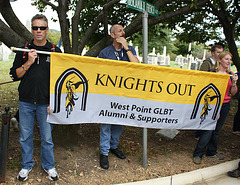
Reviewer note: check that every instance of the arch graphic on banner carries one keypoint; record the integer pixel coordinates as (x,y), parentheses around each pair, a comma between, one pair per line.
(200,96)
(59,86)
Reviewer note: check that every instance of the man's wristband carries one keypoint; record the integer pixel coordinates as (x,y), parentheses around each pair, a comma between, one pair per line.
(24,68)
(128,50)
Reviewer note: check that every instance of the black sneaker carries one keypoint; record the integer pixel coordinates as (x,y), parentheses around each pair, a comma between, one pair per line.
(234,173)
(23,174)
(52,174)
(104,161)
(118,153)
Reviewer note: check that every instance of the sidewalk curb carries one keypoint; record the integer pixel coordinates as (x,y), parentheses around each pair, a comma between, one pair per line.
(191,177)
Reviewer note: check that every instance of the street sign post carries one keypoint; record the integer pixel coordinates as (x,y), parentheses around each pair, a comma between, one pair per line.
(146,8)
(145,54)
(143,6)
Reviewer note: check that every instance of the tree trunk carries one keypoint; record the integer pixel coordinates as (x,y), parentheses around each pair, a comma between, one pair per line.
(94,51)
(64,25)
(229,34)
(21,32)
(75,29)
(94,26)
(9,37)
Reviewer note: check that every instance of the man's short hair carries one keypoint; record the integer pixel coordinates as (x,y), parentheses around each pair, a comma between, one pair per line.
(220,43)
(112,27)
(213,49)
(39,16)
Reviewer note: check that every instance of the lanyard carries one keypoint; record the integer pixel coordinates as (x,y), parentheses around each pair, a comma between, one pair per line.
(119,54)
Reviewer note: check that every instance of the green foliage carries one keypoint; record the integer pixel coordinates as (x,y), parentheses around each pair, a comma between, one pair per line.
(181,48)
(202,25)
(197,27)
(54,36)
(197,50)
(119,14)
(158,37)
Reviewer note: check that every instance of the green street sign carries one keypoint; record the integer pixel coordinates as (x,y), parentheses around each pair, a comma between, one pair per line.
(141,6)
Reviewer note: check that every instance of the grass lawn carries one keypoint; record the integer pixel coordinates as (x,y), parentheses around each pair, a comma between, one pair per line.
(8,92)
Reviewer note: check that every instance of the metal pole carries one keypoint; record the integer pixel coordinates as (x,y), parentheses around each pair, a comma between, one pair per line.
(145,36)
(28,50)
(145,54)
(4,144)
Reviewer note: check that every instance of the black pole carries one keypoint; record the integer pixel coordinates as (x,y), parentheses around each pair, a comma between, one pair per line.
(4,144)
(7,82)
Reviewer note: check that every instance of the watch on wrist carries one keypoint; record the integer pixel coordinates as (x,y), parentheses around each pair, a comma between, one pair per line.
(128,50)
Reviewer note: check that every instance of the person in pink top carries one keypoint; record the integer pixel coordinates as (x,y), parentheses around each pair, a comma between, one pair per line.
(207,142)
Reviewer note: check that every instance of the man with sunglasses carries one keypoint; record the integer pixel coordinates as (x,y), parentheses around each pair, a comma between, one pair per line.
(34,72)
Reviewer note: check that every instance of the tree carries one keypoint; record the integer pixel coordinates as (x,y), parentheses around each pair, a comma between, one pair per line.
(158,37)
(181,48)
(89,23)
(16,33)
(228,14)
(218,17)
(53,36)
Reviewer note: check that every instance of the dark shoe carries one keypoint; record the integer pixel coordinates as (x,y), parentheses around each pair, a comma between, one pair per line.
(104,161)
(118,153)
(234,173)
(197,160)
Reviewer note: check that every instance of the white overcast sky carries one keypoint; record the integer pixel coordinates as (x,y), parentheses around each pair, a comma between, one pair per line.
(25,11)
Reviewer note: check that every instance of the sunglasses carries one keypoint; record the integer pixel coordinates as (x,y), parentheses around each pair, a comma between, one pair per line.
(41,27)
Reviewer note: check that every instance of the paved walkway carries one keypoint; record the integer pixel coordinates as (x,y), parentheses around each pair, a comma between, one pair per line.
(220,180)
(214,175)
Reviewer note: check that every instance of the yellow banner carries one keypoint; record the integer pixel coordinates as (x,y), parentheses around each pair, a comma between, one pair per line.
(93,87)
